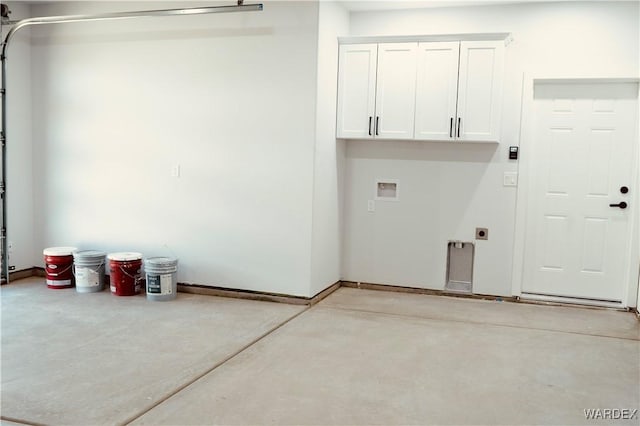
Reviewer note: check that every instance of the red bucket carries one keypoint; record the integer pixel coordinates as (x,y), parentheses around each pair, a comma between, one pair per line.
(125,273)
(58,263)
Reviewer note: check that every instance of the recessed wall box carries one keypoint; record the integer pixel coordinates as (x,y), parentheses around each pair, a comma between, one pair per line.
(460,267)
(387,190)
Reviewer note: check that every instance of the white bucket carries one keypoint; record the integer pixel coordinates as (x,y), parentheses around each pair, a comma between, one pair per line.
(88,267)
(162,278)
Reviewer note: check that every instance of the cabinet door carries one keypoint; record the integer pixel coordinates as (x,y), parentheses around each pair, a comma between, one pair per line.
(436,90)
(356,90)
(480,90)
(396,91)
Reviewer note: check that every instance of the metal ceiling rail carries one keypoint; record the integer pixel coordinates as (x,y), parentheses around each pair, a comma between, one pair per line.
(240,7)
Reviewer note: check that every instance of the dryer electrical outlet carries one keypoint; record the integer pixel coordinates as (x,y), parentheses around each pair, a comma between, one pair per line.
(482,233)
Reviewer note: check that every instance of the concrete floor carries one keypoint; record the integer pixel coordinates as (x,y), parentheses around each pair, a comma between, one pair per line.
(358,357)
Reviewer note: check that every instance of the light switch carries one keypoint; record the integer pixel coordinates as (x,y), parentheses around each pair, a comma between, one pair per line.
(510,179)
(371,206)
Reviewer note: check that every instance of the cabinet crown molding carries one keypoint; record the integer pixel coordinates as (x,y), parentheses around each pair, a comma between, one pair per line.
(507,37)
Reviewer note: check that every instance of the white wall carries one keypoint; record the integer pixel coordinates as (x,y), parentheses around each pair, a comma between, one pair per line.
(231,98)
(447,190)
(245,104)
(326,252)
(19,147)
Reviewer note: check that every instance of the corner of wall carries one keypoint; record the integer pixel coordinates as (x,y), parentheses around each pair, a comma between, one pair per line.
(19,148)
(326,253)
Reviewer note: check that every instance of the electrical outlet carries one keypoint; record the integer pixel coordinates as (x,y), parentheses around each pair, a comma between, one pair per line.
(482,234)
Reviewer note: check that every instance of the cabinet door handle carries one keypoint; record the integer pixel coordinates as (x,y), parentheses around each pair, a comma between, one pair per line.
(451,127)
(377,122)
(621,205)
(370,118)
(459,121)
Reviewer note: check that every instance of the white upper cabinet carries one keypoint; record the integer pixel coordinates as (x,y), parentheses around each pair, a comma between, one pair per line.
(356,90)
(480,90)
(376,91)
(459,91)
(395,91)
(428,90)
(437,87)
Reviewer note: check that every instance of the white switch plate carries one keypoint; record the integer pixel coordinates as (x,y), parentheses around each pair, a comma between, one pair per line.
(371,206)
(510,179)
(175,170)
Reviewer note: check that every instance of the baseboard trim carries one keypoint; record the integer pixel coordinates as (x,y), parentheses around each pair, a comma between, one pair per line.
(310,301)
(212,291)
(512,299)
(568,301)
(26,273)
(257,295)
(417,290)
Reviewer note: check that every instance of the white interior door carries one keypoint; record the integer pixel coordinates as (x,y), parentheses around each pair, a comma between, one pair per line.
(583,146)
(356,90)
(437,88)
(396,90)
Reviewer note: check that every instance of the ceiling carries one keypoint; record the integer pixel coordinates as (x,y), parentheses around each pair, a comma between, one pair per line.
(364,5)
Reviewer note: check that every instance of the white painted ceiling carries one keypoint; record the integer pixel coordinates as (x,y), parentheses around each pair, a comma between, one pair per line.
(364,5)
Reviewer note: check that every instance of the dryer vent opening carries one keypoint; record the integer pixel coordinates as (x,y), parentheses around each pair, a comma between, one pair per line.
(460,267)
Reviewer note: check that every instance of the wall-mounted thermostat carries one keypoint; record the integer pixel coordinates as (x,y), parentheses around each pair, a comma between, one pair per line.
(513,153)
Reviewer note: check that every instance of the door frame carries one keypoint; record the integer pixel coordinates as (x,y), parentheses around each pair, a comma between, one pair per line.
(632,275)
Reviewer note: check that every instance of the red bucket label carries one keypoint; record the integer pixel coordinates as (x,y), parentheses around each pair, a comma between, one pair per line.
(58,270)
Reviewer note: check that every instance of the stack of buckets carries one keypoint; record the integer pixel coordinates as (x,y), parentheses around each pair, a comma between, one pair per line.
(67,267)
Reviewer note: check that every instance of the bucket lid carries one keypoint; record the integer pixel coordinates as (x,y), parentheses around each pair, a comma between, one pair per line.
(124,256)
(89,254)
(161,262)
(59,251)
